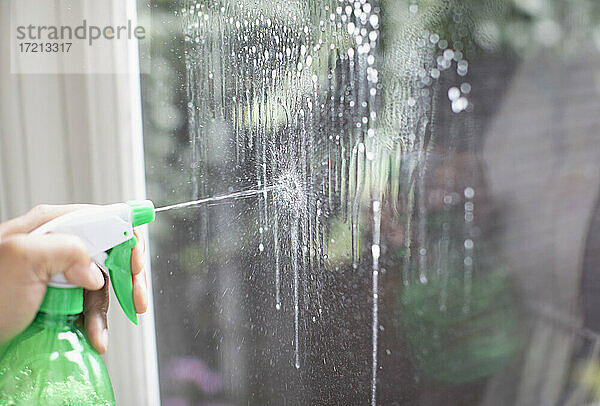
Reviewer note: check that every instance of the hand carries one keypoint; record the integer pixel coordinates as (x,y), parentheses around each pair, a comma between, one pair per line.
(28,261)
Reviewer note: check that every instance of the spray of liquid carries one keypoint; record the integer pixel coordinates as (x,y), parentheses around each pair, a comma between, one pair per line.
(207,200)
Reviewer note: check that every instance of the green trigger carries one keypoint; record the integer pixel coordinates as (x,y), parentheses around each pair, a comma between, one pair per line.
(119,269)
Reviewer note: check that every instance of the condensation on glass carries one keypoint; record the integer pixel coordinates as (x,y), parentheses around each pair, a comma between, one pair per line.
(425,228)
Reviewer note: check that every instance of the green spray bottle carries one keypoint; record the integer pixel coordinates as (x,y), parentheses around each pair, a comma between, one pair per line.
(52,362)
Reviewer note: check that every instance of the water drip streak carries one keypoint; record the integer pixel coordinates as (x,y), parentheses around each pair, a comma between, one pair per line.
(236,195)
(407,274)
(345,151)
(274,160)
(276,248)
(262,203)
(468,230)
(264,155)
(305,222)
(191,124)
(358,188)
(358,145)
(296,295)
(422,217)
(314,219)
(375,251)
(468,253)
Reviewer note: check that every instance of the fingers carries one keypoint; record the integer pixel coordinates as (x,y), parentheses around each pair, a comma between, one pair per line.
(36,217)
(95,307)
(140,286)
(96,302)
(51,254)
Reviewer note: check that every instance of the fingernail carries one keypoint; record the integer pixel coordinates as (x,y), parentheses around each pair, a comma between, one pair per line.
(97,275)
(144,280)
(105,339)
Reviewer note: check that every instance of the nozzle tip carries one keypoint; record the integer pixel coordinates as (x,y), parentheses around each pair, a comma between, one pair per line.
(142,212)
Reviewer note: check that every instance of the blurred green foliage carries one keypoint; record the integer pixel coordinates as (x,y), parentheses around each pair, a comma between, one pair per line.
(453,344)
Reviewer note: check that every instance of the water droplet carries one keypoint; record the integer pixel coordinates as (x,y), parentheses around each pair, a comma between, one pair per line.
(453,93)
(375,250)
(374,20)
(469,192)
(460,104)
(448,54)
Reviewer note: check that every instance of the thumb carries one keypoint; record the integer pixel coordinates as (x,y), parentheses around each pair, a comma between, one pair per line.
(51,254)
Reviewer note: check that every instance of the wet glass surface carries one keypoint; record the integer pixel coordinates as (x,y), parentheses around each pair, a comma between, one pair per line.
(419,222)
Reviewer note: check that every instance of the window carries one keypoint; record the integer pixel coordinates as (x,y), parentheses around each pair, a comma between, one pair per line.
(417,219)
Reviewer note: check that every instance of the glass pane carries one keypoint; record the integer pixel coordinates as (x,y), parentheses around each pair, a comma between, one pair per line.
(407,201)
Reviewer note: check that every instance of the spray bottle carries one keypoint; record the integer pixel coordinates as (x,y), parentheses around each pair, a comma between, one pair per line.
(52,362)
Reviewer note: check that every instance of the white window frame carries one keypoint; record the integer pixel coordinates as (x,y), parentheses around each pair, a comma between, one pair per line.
(78,138)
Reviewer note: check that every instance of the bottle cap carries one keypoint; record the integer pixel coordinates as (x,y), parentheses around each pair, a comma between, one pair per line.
(142,212)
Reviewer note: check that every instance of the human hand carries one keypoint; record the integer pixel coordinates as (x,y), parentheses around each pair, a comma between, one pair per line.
(28,261)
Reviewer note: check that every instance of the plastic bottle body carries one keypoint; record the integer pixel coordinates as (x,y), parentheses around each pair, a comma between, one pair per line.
(52,363)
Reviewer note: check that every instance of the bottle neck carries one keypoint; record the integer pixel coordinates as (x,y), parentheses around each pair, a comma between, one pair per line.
(62,301)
